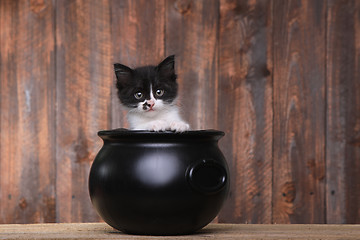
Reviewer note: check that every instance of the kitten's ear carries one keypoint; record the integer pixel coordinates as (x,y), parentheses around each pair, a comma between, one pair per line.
(167,67)
(123,74)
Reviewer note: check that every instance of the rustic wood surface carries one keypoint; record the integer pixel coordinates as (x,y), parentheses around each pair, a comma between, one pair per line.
(299,111)
(343,119)
(191,33)
(280,77)
(212,231)
(245,108)
(27,105)
(83,74)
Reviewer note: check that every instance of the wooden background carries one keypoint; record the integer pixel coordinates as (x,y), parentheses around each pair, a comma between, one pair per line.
(281,78)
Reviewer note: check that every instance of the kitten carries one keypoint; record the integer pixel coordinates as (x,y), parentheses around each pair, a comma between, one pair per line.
(149,93)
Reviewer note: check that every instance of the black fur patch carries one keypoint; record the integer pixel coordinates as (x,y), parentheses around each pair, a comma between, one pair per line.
(130,81)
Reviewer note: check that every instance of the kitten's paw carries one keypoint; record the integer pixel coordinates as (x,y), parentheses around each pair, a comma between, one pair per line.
(179,126)
(158,126)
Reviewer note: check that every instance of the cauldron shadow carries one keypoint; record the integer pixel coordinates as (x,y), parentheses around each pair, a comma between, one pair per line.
(202,232)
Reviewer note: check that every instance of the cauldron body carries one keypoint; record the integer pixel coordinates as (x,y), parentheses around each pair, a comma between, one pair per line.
(159,183)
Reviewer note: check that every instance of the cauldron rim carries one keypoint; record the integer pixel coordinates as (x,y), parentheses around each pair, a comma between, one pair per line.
(123,132)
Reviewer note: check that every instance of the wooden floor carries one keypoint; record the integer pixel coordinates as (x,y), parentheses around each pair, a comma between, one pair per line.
(212,231)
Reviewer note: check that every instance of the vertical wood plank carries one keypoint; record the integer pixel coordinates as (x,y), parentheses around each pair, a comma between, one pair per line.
(245,108)
(191,34)
(343,112)
(84,73)
(299,111)
(27,101)
(137,39)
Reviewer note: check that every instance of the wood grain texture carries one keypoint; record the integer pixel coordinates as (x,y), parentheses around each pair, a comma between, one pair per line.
(83,73)
(343,112)
(191,34)
(212,231)
(280,77)
(299,112)
(27,101)
(245,108)
(138,37)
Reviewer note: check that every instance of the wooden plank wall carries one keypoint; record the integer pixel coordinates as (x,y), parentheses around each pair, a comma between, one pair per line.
(281,78)
(343,112)
(245,108)
(27,105)
(299,111)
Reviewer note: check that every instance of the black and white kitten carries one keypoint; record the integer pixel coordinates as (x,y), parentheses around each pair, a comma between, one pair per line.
(149,93)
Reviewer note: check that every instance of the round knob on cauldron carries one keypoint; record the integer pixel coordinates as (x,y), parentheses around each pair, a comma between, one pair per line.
(207,176)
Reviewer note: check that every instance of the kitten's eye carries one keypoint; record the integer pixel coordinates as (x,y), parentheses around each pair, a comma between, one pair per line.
(159,92)
(138,95)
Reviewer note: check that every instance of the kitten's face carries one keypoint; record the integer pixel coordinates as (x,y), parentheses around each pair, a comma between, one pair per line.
(147,89)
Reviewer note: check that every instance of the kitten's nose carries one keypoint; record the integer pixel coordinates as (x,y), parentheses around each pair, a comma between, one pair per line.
(150,103)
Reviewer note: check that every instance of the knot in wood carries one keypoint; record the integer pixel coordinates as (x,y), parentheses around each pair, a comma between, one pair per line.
(288,191)
(37,6)
(183,6)
(22,203)
(82,153)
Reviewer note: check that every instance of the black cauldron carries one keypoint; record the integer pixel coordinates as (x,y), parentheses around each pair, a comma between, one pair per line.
(159,183)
